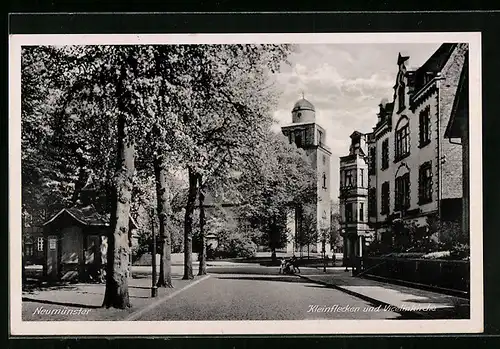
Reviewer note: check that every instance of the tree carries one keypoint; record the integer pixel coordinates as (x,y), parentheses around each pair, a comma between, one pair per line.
(226,112)
(335,239)
(309,233)
(203,253)
(105,88)
(275,181)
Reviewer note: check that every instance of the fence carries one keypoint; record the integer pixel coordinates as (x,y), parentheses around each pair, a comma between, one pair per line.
(445,274)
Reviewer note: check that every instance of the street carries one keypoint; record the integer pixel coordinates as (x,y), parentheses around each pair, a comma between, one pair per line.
(260,293)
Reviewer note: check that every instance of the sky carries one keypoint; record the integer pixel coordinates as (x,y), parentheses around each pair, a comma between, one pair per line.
(345,83)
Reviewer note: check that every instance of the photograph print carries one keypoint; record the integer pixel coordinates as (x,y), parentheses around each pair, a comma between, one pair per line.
(303,183)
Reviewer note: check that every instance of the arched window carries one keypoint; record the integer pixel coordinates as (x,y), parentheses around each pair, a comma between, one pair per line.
(402,139)
(402,189)
(299,138)
(324,180)
(402,193)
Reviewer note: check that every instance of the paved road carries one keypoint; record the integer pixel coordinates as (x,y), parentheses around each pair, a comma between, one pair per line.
(259,293)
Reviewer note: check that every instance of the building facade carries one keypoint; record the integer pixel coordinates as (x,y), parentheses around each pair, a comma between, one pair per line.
(306,134)
(353,199)
(414,169)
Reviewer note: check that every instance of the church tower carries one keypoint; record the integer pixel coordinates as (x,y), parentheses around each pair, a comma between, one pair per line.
(305,133)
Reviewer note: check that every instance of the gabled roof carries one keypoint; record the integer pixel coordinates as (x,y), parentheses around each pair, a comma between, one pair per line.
(460,109)
(434,64)
(86,216)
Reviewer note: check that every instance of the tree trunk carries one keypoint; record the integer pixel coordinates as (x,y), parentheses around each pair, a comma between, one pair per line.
(188,226)
(202,269)
(116,294)
(273,239)
(273,255)
(165,277)
(23,266)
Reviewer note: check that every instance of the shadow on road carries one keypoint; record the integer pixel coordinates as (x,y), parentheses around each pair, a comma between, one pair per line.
(37,286)
(276,278)
(66,304)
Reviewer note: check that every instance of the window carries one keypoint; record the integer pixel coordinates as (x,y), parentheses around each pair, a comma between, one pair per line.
(349,178)
(320,137)
(424,127)
(324,160)
(372,202)
(362,177)
(324,180)
(425,183)
(427,77)
(401,97)
(299,114)
(402,194)
(28,250)
(298,138)
(385,198)
(39,243)
(402,147)
(361,212)
(385,154)
(372,161)
(348,212)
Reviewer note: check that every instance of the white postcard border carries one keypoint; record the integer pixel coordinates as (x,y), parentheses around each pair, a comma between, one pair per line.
(65,328)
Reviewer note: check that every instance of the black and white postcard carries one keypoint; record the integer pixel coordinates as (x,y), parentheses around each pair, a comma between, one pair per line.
(245,184)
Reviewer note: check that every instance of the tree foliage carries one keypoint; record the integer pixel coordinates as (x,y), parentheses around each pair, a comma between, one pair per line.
(128,114)
(278,178)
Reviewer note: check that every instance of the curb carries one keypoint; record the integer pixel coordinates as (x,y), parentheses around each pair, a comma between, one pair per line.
(139,312)
(374,301)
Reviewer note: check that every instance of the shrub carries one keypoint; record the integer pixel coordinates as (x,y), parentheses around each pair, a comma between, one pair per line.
(241,248)
(233,245)
(377,248)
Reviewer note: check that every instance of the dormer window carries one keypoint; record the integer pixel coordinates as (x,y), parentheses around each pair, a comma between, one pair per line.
(427,77)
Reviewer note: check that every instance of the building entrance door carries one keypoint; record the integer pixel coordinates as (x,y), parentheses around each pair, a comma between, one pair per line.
(52,252)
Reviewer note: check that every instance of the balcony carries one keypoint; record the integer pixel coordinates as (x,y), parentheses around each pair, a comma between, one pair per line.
(353,191)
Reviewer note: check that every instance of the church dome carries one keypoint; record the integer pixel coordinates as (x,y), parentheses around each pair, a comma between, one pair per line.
(303,104)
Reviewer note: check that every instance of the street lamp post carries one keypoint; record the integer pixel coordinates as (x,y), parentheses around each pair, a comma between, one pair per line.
(154,288)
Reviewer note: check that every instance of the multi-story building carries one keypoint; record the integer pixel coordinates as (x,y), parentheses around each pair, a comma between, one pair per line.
(305,133)
(353,198)
(414,170)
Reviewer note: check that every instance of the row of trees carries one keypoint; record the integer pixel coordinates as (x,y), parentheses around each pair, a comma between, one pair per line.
(137,117)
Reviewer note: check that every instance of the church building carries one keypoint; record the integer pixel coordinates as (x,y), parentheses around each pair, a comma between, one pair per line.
(307,134)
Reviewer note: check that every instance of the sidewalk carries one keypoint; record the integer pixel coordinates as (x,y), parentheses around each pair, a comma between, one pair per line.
(410,302)
(82,302)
